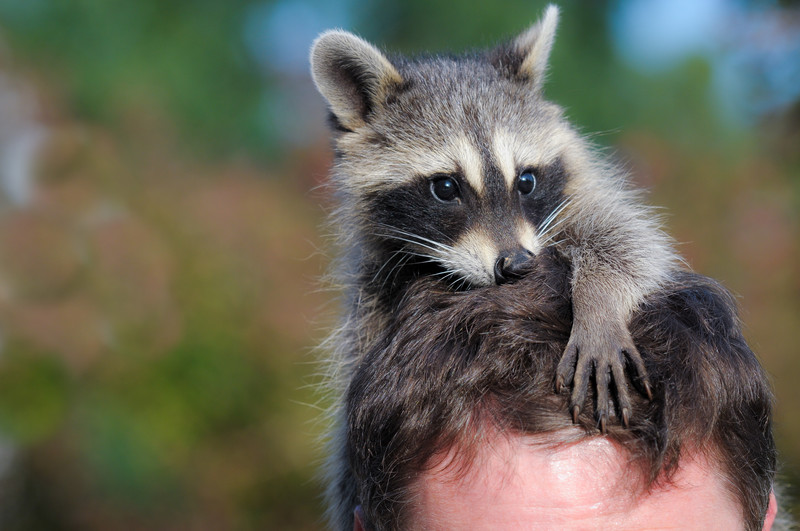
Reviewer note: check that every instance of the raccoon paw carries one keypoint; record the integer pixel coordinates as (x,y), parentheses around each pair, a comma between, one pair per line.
(606,354)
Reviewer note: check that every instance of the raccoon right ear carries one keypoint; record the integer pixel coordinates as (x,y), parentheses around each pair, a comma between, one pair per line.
(352,75)
(525,58)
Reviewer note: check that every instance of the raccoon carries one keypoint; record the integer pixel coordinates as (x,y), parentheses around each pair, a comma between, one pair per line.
(458,169)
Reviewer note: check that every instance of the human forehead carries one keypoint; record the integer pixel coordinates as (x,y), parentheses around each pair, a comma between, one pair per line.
(517,483)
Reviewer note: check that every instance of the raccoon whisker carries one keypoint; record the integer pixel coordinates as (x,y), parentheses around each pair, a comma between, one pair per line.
(400,263)
(549,241)
(461,283)
(405,257)
(549,232)
(556,211)
(416,242)
(415,238)
(549,219)
(428,244)
(413,235)
(377,275)
(456,274)
(445,274)
(430,259)
(413,252)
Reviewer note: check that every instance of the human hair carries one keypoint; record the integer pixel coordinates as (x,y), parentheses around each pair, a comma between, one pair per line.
(453,361)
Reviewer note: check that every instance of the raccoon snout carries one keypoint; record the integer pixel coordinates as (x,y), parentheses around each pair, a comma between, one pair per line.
(512,265)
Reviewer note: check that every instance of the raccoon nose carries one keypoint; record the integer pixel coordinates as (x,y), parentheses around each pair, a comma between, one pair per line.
(511,265)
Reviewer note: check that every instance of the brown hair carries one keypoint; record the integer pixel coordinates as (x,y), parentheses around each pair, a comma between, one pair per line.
(451,358)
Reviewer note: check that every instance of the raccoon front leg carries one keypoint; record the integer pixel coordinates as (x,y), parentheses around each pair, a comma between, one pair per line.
(615,266)
(602,346)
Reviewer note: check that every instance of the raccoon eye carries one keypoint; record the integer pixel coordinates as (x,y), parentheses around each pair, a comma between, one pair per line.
(526,182)
(444,189)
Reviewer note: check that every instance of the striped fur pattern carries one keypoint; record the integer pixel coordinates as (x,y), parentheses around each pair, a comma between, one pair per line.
(457,168)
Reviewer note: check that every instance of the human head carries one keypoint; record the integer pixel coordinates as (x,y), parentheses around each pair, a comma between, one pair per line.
(458,367)
(525,482)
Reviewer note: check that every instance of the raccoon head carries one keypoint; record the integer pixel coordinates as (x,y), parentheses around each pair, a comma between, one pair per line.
(451,165)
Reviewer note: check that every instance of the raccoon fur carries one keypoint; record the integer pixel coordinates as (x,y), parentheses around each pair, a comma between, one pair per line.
(457,168)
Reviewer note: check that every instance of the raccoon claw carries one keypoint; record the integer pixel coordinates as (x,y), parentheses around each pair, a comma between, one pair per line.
(606,357)
(566,367)
(559,384)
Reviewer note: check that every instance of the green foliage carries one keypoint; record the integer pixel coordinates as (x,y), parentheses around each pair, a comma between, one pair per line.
(117,59)
(35,394)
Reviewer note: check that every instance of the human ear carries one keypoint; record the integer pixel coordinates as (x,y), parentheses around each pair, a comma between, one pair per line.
(772,510)
(358,519)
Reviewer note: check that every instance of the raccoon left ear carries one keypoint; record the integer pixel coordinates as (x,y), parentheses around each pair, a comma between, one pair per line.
(352,75)
(525,58)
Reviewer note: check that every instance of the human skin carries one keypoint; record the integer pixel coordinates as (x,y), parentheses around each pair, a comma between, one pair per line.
(525,483)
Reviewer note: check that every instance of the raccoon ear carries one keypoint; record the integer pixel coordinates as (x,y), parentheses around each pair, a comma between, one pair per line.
(525,58)
(352,75)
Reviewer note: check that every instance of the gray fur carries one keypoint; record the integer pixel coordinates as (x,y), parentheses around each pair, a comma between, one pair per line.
(399,121)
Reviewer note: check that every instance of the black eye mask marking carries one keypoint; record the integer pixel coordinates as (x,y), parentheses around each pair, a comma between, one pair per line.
(547,192)
(435,207)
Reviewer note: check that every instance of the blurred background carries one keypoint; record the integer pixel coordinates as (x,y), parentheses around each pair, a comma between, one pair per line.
(160,212)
